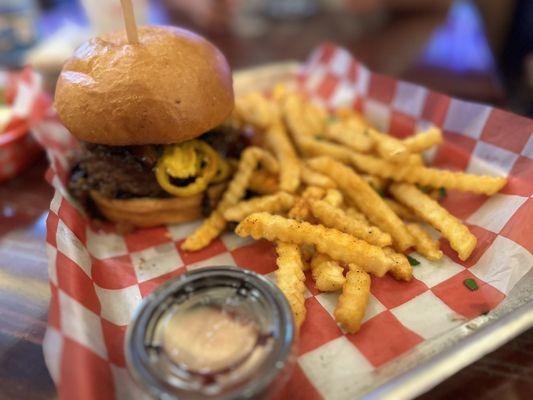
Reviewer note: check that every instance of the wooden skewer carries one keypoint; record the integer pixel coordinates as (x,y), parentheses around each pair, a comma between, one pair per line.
(129,21)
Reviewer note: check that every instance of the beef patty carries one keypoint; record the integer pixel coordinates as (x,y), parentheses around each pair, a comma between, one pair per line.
(128,171)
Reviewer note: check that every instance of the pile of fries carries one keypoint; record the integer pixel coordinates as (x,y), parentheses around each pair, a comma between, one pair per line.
(337,197)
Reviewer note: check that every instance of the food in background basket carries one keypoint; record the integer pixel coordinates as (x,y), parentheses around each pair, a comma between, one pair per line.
(149,120)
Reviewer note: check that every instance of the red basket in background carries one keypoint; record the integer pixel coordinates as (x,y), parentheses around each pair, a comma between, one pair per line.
(30,105)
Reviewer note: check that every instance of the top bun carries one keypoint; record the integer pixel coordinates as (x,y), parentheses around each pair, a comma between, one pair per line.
(171,87)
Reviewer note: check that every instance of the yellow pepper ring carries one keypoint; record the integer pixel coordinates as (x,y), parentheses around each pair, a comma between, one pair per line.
(223,172)
(211,159)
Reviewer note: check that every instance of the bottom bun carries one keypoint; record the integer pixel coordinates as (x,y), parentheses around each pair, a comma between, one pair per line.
(148,212)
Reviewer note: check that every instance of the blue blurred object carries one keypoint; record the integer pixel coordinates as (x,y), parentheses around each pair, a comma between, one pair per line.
(460,44)
(18,30)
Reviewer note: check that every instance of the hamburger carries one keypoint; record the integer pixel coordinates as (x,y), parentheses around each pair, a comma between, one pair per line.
(149,117)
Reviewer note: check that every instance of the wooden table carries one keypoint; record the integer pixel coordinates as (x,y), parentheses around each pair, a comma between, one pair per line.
(386,45)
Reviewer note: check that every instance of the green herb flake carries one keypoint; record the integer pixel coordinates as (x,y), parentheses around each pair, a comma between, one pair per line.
(332,119)
(471,284)
(413,261)
(442,193)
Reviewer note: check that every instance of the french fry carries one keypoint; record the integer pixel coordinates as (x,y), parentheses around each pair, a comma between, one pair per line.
(402,211)
(327,273)
(378,184)
(338,245)
(334,198)
(313,178)
(366,199)
(292,109)
(301,211)
(316,117)
(276,139)
(426,176)
(262,182)
(333,217)
(423,140)
(388,147)
(351,133)
(256,110)
(460,238)
(359,216)
(415,159)
(402,269)
(290,279)
(312,147)
(273,204)
(351,307)
(424,243)
(215,224)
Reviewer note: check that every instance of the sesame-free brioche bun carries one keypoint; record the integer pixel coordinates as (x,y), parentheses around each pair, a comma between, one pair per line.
(148,212)
(171,87)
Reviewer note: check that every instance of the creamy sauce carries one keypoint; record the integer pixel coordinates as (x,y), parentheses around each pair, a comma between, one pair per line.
(207,340)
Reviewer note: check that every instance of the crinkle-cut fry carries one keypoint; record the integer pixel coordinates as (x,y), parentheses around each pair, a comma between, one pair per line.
(402,211)
(402,269)
(415,159)
(333,217)
(263,182)
(424,243)
(334,198)
(338,245)
(255,109)
(301,211)
(215,223)
(313,178)
(351,307)
(312,147)
(366,199)
(423,140)
(357,215)
(460,238)
(327,273)
(277,140)
(433,177)
(388,147)
(274,203)
(378,184)
(316,117)
(293,110)
(351,133)
(290,279)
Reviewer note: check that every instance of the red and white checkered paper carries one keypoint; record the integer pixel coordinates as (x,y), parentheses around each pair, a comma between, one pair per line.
(28,102)
(98,276)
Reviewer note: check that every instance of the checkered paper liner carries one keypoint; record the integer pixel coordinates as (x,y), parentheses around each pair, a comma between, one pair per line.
(23,93)
(98,276)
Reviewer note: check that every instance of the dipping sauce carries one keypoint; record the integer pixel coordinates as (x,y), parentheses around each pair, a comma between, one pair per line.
(208,340)
(215,332)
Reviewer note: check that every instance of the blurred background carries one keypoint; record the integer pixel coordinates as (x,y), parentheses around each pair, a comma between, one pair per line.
(476,49)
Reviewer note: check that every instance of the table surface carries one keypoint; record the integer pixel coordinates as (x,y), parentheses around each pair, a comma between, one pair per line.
(388,45)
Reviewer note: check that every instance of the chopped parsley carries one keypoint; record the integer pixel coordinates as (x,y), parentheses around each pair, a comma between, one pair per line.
(442,193)
(413,261)
(471,284)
